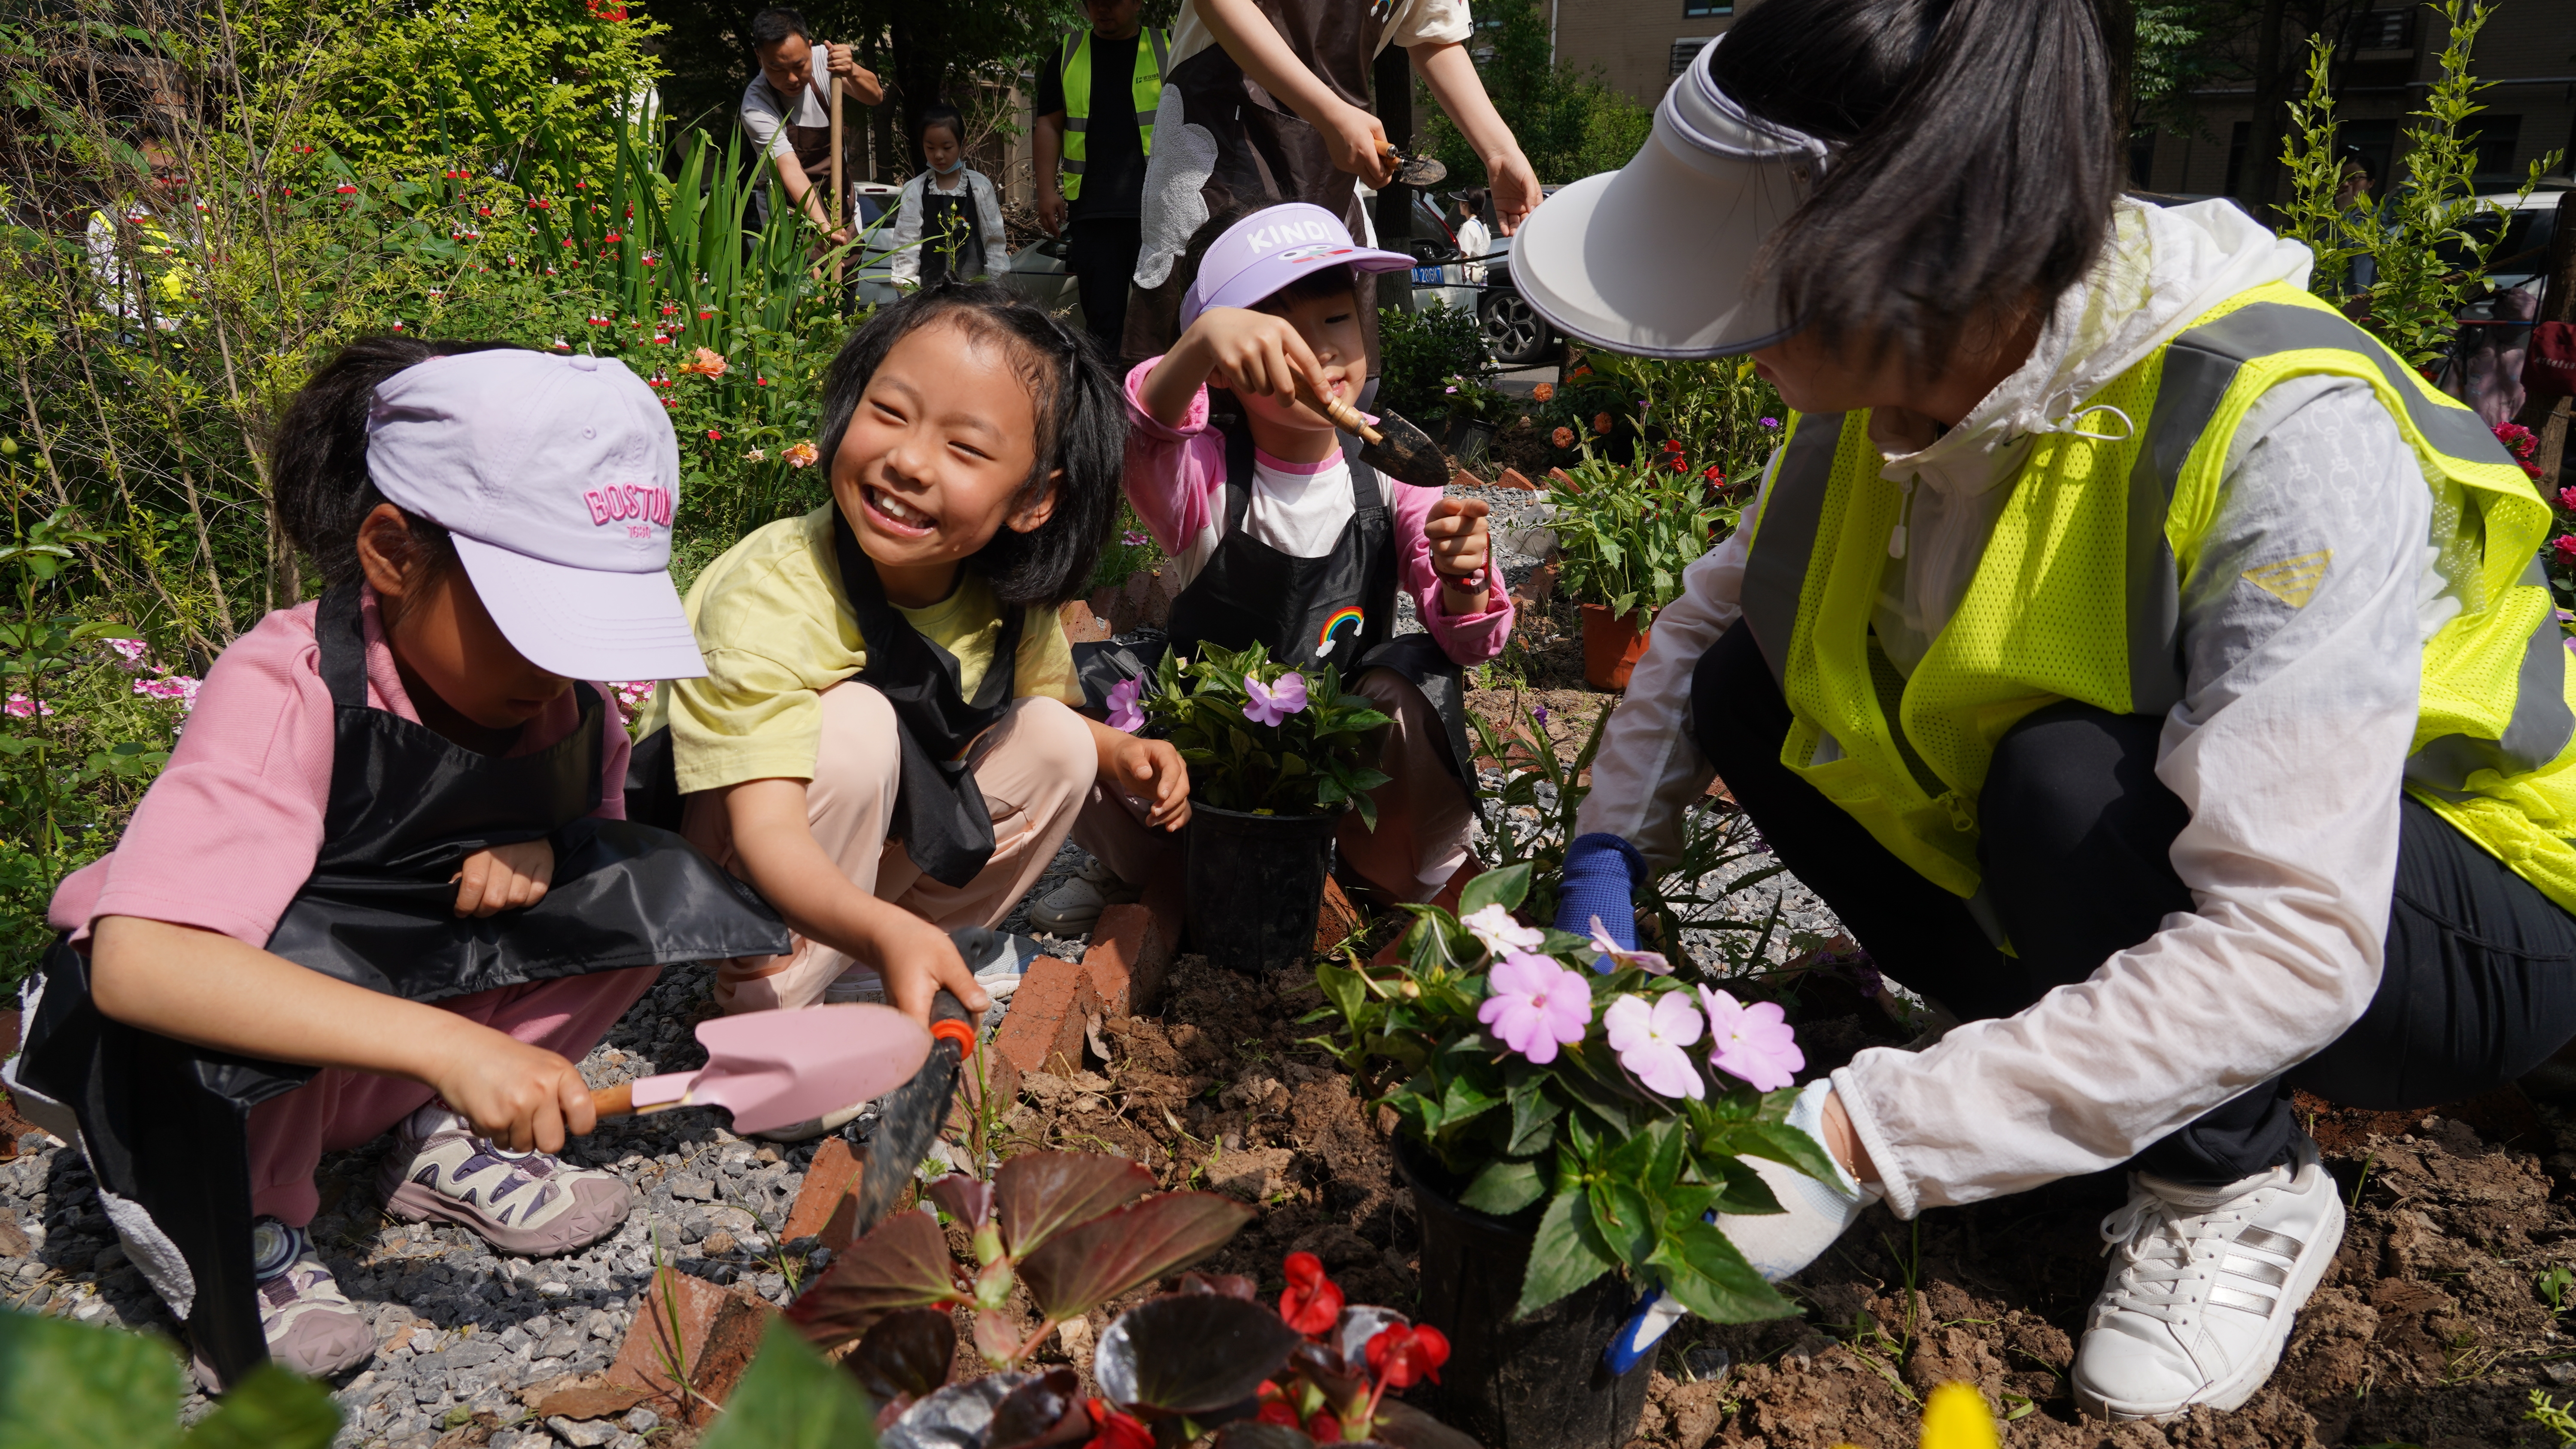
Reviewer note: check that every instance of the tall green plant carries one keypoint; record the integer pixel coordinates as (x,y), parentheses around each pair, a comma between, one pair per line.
(66,1385)
(2428,256)
(1625,534)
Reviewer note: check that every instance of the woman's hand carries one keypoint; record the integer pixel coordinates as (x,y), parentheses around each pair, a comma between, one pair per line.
(917,959)
(1147,771)
(524,1098)
(503,878)
(1358,145)
(1844,1142)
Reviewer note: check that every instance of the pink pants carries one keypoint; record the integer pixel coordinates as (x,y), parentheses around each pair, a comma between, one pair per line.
(1034,768)
(1423,817)
(340,1109)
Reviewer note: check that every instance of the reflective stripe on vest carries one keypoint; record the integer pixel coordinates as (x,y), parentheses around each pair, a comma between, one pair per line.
(1145,92)
(2492,748)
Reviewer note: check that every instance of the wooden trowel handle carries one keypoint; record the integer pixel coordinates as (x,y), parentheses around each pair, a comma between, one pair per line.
(1344,416)
(616,1101)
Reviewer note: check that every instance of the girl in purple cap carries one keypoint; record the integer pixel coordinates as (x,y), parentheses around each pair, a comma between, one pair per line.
(1283,537)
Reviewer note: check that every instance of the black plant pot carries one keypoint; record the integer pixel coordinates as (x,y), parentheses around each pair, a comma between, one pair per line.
(1469,441)
(1255,885)
(1538,1384)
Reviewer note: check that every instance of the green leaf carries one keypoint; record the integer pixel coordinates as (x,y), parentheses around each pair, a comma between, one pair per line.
(1346,989)
(271,1409)
(1534,1117)
(1567,1254)
(791,1399)
(1507,888)
(1710,1278)
(1783,1143)
(66,1385)
(1465,1100)
(1504,1187)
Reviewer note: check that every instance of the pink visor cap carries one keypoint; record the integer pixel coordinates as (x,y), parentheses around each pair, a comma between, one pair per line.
(1272,248)
(557,478)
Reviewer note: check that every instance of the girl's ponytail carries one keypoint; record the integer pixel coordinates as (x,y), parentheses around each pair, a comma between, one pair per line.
(318,461)
(1979,164)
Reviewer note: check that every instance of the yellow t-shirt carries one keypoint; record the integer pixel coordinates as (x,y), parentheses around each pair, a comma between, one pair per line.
(776,632)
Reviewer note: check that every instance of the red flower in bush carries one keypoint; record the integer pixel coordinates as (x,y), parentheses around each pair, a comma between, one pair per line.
(345,189)
(1672,445)
(713,436)
(1111,1429)
(1324,1428)
(1312,1303)
(1715,475)
(2564,545)
(1403,1357)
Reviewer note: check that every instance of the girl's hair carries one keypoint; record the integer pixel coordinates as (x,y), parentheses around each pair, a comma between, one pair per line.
(1981,160)
(949,117)
(1081,429)
(318,458)
(1322,282)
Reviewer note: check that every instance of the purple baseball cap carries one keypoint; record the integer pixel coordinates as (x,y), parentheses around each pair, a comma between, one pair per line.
(557,478)
(1272,248)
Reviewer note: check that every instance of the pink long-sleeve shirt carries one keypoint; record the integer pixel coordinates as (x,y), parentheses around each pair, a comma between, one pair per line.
(1176,482)
(229,833)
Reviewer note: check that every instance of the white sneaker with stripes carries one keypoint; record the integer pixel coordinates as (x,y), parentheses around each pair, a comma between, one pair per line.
(2203,1286)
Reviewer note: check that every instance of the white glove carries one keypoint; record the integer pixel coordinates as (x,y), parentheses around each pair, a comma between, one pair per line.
(1779,1244)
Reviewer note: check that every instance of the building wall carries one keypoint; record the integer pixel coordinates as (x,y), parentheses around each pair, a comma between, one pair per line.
(2528,50)
(1633,42)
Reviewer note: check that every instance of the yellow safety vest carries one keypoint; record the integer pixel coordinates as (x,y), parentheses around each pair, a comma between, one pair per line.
(1145,90)
(2077,597)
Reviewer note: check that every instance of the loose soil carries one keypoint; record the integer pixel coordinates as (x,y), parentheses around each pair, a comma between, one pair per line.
(2429,1330)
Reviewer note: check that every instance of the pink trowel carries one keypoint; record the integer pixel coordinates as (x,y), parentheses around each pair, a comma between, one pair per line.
(771,1068)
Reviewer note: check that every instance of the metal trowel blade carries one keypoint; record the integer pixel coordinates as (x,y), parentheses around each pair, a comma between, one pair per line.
(1406,453)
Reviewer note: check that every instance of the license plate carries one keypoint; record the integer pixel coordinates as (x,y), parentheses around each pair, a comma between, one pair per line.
(1427,276)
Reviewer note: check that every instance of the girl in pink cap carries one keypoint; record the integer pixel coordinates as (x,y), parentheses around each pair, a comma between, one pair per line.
(386,882)
(1283,537)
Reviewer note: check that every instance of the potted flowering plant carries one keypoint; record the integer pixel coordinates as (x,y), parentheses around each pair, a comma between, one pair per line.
(1569,1116)
(1624,535)
(1275,757)
(1476,410)
(1073,1230)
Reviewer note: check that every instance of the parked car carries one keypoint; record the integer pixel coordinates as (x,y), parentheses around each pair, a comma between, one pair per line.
(1514,332)
(1037,273)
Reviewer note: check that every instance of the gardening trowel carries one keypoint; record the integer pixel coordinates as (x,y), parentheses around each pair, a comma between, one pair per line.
(1392,445)
(771,1068)
(908,1121)
(1412,170)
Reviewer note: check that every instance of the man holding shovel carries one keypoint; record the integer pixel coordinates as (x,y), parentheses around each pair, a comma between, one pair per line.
(787,109)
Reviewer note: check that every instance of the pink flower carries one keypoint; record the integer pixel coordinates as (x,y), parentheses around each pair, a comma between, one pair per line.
(2567,498)
(1502,935)
(801,455)
(1536,1004)
(1752,1042)
(176,689)
(2565,546)
(1652,1040)
(1123,713)
(129,653)
(1651,962)
(1271,703)
(20,707)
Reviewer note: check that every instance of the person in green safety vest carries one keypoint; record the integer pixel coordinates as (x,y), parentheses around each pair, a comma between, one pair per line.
(2154,674)
(1095,121)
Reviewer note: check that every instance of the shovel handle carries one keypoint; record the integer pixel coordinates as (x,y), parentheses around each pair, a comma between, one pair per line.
(619,1101)
(1344,416)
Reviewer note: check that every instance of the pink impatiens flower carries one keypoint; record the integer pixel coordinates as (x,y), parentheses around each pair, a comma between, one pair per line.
(1652,1042)
(1494,926)
(1271,703)
(1752,1042)
(1651,962)
(1123,713)
(1535,1005)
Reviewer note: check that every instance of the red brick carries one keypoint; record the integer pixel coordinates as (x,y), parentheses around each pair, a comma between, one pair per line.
(1081,626)
(1337,918)
(1538,587)
(1464,479)
(1447,900)
(1512,478)
(1559,478)
(719,1330)
(834,1172)
(1043,1030)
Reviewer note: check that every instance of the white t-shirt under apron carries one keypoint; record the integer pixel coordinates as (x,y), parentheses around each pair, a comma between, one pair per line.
(1299,509)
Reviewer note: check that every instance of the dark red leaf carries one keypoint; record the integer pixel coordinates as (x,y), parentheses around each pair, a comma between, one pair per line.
(903,1263)
(1086,1265)
(1257,1434)
(1406,1427)
(965,1199)
(905,1355)
(1224,1285)
(1042,1193)
(1191,1353)
(1045,1411)
(957,1417)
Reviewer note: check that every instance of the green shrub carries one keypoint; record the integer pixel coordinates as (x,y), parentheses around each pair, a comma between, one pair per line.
(1420,353)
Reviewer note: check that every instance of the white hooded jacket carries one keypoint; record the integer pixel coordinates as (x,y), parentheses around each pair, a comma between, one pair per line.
(2287,747)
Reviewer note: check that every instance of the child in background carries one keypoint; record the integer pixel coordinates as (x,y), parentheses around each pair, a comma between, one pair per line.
(387,848)
(1284,538)
(882,743)
(954,214)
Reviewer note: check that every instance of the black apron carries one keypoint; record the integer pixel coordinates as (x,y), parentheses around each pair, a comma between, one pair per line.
(1338,609)
(952,243)
(939,812)
(1267,153)
(163,1122)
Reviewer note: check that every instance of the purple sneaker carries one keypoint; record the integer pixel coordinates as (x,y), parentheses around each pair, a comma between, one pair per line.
(311,1327)
(528,1203)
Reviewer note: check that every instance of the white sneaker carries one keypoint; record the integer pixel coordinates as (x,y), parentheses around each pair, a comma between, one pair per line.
(2204,1283)
(1075,906)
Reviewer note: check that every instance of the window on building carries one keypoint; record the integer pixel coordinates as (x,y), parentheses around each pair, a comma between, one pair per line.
(1694,8)
(2384,30)
(1687,49)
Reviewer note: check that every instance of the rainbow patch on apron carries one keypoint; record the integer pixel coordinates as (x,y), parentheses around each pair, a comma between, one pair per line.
(1324,638)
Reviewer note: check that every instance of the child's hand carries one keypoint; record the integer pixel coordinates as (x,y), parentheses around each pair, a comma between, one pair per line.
(1358,145)
(1151,772)
(916,959)
(1257,352)
(503,878)
(523,1097)
(1459,541)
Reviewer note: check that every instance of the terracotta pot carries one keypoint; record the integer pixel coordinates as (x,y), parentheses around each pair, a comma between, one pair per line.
(1612,645)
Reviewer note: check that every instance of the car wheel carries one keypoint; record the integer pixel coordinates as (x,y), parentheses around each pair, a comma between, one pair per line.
(1514,332)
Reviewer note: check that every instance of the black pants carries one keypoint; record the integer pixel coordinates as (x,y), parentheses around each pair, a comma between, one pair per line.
(1102,256)
(2480,980)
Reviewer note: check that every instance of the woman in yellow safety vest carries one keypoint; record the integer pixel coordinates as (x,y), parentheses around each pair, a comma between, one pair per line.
(2145,665)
